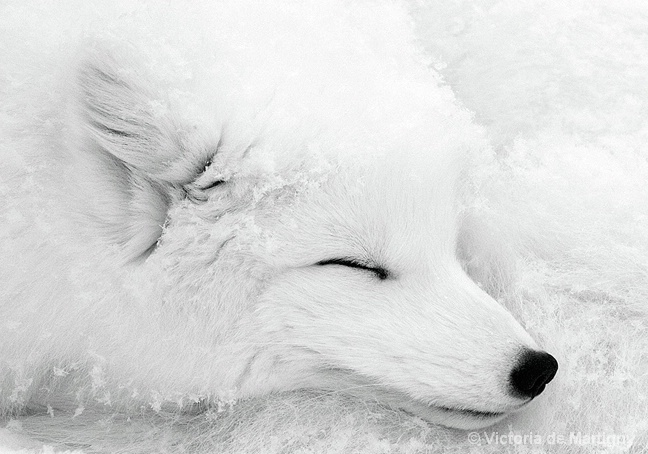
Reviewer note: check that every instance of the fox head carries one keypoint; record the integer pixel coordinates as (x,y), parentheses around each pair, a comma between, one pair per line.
(292,252)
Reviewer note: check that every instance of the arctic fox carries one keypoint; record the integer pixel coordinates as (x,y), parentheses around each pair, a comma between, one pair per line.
(223,201)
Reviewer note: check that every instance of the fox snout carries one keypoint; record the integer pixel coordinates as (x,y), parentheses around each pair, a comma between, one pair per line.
(532,372)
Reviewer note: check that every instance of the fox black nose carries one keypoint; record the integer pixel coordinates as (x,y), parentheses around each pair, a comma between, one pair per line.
(532,372)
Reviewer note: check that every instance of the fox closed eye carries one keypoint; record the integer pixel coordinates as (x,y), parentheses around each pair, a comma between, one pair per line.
(380,272)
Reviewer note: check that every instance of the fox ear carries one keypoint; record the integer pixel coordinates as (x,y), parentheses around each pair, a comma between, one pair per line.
(125,118)
(132,142)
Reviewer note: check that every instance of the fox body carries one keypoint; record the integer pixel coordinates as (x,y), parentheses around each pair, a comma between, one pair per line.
(236,199)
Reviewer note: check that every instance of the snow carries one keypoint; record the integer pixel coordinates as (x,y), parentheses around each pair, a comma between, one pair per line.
(561,89)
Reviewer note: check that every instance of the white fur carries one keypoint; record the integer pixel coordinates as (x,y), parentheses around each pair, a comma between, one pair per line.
(132,287)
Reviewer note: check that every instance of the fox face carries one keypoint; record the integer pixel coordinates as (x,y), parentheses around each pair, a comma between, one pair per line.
(261,260)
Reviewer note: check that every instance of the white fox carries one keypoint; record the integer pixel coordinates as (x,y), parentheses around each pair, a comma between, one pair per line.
(235,200)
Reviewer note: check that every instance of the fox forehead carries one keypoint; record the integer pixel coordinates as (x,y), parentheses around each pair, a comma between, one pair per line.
(373,218)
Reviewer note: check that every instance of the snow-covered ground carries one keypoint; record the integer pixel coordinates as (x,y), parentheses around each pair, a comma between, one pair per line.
(561,89)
